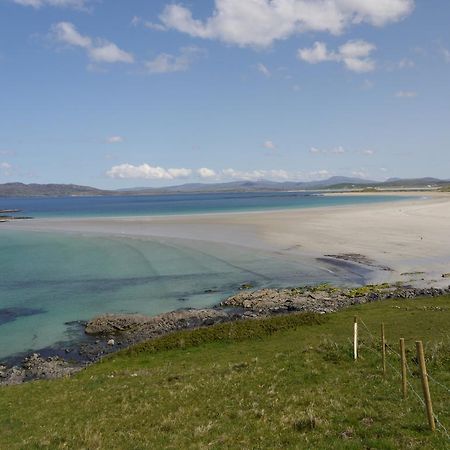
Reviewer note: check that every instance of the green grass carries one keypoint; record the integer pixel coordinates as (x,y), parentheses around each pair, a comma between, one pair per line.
(285,382)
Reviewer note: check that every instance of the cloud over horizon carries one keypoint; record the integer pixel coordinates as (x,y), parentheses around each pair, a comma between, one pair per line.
(148,172)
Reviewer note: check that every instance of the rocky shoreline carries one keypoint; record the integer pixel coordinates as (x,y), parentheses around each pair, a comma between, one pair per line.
(112,332)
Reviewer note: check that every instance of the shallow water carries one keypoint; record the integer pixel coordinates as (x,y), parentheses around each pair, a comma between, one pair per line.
(47,280)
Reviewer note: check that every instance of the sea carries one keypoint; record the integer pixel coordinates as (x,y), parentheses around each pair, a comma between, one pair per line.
(49,282)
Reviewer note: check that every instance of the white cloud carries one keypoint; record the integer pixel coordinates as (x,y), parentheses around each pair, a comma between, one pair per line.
(270,145)
(318,53)
(166,63)
(406,94)
(261,22)
(204,172)
(76,4)
(355,55)
(368,152)
(136,21)
(98,50)
(145,171)
(66,32)
(180,173)
(264,70)
(115,140)
(108,52)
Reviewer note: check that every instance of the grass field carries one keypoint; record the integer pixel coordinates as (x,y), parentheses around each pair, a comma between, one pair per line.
(285,382)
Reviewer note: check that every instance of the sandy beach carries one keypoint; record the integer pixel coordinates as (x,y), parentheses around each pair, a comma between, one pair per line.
(408,237)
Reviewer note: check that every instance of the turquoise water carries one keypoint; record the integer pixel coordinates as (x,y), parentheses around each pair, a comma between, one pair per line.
(49,279)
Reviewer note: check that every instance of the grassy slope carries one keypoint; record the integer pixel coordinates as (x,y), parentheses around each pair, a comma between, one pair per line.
(295,388)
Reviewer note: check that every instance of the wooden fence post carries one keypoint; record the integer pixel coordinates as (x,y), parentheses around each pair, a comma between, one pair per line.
(355,338)
(403,363)
(425,386)
(383,349)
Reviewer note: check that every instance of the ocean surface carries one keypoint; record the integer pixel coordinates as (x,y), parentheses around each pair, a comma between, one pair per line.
(180,203)
(50,280)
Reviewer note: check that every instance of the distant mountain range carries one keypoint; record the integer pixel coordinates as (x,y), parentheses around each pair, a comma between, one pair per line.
(333,183)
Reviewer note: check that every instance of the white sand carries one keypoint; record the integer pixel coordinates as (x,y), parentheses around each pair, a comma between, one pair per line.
(408,236)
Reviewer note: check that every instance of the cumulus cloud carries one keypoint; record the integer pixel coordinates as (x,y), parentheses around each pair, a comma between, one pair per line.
(115,140)
(147,172)
(75,4)
(406,94)
(180,173)
(259,23)
(166,63)
(204,172)
(355,55)
(98,50)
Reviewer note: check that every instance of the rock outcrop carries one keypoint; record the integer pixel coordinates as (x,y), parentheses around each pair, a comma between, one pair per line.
(35,367)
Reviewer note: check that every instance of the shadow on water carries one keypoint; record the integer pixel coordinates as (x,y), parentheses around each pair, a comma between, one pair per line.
(13,313)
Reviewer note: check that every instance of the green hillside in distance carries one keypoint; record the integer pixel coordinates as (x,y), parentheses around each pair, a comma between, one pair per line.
(332,184)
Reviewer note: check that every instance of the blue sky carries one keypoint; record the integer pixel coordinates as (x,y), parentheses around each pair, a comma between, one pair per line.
(145,93)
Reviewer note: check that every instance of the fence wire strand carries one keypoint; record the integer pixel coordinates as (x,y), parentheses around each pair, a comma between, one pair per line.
(397,371)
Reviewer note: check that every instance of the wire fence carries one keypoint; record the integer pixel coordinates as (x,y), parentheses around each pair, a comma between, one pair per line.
(378,342)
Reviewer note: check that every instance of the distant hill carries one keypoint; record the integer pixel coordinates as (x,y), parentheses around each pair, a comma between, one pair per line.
(49,190)
(333,183)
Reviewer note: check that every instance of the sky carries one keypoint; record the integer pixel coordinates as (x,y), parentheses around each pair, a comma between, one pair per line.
(116,94)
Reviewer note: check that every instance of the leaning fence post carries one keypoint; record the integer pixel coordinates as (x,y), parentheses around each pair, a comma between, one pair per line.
(383,349)
(403,363)
(355,338)
(425,386)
